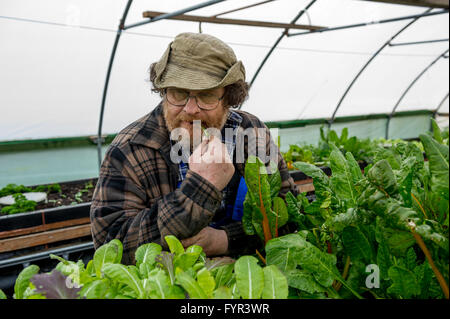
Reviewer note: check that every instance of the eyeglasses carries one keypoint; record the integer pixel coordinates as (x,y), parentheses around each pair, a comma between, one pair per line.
(205,100)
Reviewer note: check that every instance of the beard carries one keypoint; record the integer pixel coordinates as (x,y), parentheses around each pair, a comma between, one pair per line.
(182,119)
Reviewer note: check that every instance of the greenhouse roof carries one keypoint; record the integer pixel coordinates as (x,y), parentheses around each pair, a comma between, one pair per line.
(339,58)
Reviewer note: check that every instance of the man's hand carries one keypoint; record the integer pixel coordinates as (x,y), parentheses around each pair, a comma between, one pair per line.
(213,241)
(211,161)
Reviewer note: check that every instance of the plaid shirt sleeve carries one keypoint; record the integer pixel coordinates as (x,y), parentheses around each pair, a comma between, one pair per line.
(124,208)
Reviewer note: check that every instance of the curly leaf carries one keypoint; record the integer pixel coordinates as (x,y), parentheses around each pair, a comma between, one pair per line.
(55,286)
(382,176)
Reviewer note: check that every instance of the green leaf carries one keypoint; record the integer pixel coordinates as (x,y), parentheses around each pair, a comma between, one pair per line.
(119,246)
(174,244)
(320,179)
(223,275)
(275,283)
(356,244)
(304,281)
(404,282)
(186,260)
(249,277)
(107,253)
(158,285)
(279,208)
(284,251)
(398,241)
(222,293)
(438,157)
(23,280)
(321,265)
(2,295)
(247,216)
(342,178)
(147,253)
(384,259)
(382,176)
(411,258)
(344,136)
(353,165)
(128,275)
(436,132)
(293,209)
(206,281)
(190,285)
(96,289)
(428,233)
(274,180)
(258,186)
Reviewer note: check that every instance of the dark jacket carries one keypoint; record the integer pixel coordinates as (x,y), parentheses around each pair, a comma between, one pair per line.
(137,200)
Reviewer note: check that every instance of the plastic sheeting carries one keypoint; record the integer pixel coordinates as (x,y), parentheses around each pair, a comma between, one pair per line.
(54,57)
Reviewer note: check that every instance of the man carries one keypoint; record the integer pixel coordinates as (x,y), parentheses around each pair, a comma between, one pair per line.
(149,188)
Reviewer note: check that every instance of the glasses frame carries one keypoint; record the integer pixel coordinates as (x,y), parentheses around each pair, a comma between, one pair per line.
(196,101)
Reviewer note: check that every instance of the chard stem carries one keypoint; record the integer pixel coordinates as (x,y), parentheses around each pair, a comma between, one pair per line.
(344,273)
(261,257)
(418,203)
(436,271)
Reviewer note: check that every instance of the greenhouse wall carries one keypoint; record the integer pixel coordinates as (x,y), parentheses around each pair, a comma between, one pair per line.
(34,162)
(402,126)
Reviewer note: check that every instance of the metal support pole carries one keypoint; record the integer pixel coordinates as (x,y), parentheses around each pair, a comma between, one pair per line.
(299,15)
(367,64)
(408,88)
(173,14)
(439,106)
(369,23)
(113,53)
(108,74)
(417,42)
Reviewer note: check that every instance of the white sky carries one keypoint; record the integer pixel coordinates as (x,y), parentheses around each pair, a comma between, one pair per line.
(52,75)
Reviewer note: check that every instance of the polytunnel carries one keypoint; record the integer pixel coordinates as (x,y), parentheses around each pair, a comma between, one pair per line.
(354,73)
(76,73)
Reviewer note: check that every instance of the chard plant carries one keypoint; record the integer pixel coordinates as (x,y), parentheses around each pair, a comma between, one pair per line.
(394,216)
(176,274)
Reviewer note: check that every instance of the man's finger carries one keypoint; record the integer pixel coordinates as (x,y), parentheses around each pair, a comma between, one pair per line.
(188,241)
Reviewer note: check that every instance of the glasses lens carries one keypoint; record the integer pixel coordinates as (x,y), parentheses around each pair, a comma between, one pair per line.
(176,96)
(207,100)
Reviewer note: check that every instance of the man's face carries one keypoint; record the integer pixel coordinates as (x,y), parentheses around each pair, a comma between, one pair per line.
(183,116)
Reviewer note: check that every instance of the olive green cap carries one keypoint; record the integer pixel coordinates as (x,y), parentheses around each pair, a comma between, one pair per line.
(197,61)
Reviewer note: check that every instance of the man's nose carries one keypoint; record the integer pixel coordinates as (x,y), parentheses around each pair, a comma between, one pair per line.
(191,106)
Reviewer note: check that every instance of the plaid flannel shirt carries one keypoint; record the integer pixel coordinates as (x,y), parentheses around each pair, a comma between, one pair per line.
(136,198)
(233,122)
